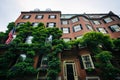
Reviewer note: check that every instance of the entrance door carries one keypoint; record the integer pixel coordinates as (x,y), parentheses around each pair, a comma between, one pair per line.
(70,72)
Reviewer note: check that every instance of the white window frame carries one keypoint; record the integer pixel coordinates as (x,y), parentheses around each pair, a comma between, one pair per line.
(29,39)
(65,69)
(65,30)
(90,60)
(64,22)
(77,28)
(18,24)
(89,27)
(66,39)
(102,30)
(75,20)
(96,22)
(79,37)
(51,25)
(44,58)
(52,16)
(108,19)
(35,24)
(26,17)
(39,16)
(23,56)
(115,28)
(93,77)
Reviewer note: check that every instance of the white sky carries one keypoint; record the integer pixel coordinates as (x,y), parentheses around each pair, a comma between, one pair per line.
(10,9)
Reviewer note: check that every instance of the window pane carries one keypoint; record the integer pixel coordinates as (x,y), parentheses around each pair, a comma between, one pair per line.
(115,28)
(89,27)
(102,30)
(52,16)
(51,25)
(29,39)
(64,22)
(35,24)
(75,20)
(96,22)
(65,30)
(66,39)
(39,16)
(26,16)
(78,37)
(77,28)
(107,20)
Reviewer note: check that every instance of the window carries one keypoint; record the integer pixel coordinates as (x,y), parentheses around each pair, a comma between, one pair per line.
(115,28)
(96,22)
(66,30)
(87,61)
(14,36)
(64,22)
(52,16)
(75,20)
(39,17)
(66,39)
(26,16)
(107,20)
(92,78)
(44,62)
(78,37)
(35,24)
(18,24)
(51,24)
(23,57)
(29,39)
(89,27)
(102,30)
(77,28)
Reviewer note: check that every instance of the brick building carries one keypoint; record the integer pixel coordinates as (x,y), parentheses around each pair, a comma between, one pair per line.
(74,26)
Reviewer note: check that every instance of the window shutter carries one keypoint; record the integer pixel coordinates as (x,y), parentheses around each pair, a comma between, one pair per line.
(98,29)
(47,24)
(104,21)
(81,62)
(69,30)
(111,29)
(73,29)
(55,16)
(54,24)
(81,26)
(106,30)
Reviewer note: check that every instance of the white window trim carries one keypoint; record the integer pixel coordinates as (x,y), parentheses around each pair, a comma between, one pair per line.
(102,30)
(51,25)
(41,65)
(66,39)
(77,28)
(108,19)
(52,16)
(35,24)
(65,69)
(92,77)
(39,16)
(29,39)
(90,61)
(26,16)
(113,28)
(65,30)
(96,22)
(79,37)
(64,22)
(74,20)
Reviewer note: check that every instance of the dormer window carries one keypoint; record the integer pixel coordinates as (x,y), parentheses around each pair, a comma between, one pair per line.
(107,20)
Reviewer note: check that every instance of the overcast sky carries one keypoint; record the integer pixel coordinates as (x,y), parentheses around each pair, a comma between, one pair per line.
(10,9)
